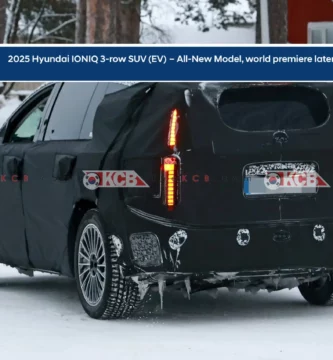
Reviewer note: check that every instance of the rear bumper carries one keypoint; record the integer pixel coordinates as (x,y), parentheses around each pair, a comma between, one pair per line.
(156,247)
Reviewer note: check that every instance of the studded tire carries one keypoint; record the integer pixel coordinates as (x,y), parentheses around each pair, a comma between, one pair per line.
(121,296)
(319,292)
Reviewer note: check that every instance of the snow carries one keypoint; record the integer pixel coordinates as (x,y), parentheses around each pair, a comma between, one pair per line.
(41,318)
(7,107)
(164,13)
(190,35)
(22,92)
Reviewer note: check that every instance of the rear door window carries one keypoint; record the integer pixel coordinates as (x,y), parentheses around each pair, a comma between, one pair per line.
(69,111)
(102,90)
(271,108)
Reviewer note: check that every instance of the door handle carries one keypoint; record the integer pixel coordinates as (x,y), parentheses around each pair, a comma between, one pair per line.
(12,166)
(64,166)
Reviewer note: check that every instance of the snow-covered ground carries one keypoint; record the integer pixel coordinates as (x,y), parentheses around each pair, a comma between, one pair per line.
(41,318)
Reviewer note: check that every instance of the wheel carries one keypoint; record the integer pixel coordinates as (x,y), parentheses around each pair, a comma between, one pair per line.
(319,292)
(103,292)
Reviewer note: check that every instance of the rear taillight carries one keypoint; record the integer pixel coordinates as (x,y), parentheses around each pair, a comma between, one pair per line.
(173,129)
(171,165)
(171,181)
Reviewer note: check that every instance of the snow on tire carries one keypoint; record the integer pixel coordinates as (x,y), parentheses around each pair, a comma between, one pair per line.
(103,292)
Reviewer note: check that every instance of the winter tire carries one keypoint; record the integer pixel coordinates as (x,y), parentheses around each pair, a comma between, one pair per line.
(319,292)
(103,292)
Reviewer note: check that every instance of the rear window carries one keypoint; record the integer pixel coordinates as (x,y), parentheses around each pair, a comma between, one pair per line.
(269,108)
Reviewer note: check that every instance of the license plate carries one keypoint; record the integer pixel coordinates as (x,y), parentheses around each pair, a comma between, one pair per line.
(269,179)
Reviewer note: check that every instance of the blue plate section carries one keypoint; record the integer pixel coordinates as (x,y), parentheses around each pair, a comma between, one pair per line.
(247,186)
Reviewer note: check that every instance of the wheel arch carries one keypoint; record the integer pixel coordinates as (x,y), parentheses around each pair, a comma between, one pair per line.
(80,209)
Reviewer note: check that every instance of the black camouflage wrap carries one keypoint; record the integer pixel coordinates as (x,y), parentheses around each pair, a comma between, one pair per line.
(130,133)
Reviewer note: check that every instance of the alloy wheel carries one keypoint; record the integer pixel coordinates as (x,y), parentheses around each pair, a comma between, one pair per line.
(92,264)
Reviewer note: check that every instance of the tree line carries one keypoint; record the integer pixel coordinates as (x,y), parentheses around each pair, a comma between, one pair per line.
(122,21)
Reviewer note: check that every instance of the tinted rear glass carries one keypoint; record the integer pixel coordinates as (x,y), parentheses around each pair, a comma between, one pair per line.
(69,110)
(262,108)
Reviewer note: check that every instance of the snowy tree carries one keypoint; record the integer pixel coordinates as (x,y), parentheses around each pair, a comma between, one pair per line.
(150,31)
(218,14)
(120,21)
(47,21)
(116,21)
(12,21)
(33,21)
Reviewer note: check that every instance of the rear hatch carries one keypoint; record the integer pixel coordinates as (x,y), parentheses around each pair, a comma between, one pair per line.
(260,153)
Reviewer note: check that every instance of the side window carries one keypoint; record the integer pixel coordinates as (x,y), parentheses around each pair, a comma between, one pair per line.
(113,87)
(102,90)
(27,127)
(70,108)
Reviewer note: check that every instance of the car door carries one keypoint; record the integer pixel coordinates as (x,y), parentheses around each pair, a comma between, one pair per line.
(17,136)
(51,193)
